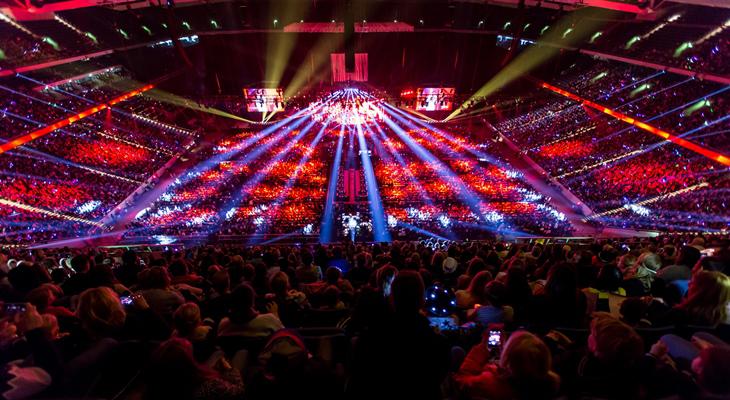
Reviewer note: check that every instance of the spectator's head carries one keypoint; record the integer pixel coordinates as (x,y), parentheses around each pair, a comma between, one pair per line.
(243,298)
(437,259)
(332,275)
(173,372)
(155,278)
(688,256)
(407,293)
(249,273)
(527,362)
(650,260)
(279,283)
(384,278)
(710,368)
(609,278)
(698,243)
(478,282)
(495,293)
(364,260)
(178,268)
(129,258)
(59,275)
(186,318)
(713,263)
(23,278)
(50,326)
(632,310)
(41,297)
(80,263)
(707,297)
(561,283)
(307,258)
(101,275)
(100,311)
(221,281)
(331,296)
(518,288)
(607,254)
(476,265)
(614,343)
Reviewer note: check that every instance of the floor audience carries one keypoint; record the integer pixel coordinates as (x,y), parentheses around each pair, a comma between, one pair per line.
(530,321)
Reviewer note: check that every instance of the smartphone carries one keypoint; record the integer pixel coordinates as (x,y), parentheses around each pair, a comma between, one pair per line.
(10,309)
(708,252)
(443,323)
(127,300)
(494,339)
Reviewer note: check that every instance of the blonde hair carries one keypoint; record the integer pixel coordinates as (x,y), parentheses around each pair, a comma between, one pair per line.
(100,311)
(707,298)
(615,342)
(526,359)
(186,318)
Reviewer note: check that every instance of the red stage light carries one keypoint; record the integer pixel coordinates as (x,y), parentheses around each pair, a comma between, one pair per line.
(21,140)
(713,155)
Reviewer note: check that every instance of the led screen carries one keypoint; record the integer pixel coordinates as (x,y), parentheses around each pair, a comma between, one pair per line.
(264,100)
(435,99)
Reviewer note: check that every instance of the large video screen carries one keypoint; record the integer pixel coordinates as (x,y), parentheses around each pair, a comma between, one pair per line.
(264,100)
(435,99)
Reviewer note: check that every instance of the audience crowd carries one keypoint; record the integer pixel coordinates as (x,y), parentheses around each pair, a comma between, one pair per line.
(609,164)
(86,169)
(635,319)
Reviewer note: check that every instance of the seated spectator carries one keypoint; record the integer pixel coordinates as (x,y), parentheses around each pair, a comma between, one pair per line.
(44,298)
(615,354)
(129,271)
(173,373)
(288,371)
(333,277)
(244,320)
(189,326)
(290,302)
(710,368)
(216,305)
(606,293)
(180,274)
(492,308)
(359,274)
(563,303)
(682,269)
(643,272)
(632,312)
(524,370)
(404,357)
(706,303)
(308,272)
(101,315)
(332,299)
(705,359)
(474,293)
(157,290)
(372,304)
(79,281)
